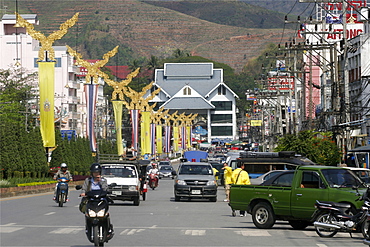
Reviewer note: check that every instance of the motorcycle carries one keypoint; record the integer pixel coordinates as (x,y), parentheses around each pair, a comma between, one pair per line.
(62,191)
(99,229)
(153,180)
(333,217)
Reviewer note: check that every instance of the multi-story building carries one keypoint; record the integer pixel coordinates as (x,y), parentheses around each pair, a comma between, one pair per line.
(198,88)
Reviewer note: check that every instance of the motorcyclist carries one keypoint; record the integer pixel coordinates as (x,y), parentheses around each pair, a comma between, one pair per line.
(62,172)
(95,182)
(154,170)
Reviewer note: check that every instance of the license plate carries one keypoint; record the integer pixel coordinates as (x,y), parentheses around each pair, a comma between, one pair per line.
(195,192)
(118,193)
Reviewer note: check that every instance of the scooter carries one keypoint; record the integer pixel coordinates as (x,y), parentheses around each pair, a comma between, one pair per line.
(62,191)
(153,180)
(333,217)
(99,229)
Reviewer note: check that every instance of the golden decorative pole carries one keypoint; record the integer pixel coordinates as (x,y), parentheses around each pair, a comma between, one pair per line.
(46,70)
(93,70)
(117,105)
(118,87)
(46,42)
(139,103)
(91,89)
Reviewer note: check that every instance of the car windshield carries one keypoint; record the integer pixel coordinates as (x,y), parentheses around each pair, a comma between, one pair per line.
(166,168)
(195,170)
(114,171)
(341,178)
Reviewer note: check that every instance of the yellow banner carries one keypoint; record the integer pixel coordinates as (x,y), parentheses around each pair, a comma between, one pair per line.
(159,138)
(46,86)
(117,107)
(145,133)
(256,122)
(188,138)
(175,138)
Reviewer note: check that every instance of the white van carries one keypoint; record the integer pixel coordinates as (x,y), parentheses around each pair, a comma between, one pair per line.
(123,181)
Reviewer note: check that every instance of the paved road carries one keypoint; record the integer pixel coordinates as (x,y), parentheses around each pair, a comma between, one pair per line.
(159,221)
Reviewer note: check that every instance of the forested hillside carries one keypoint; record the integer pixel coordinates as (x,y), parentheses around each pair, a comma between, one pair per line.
(142,29)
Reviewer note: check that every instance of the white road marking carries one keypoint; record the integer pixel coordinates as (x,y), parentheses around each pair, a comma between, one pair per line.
(67,230)
(194,232)
(50,213)
(9,229)
(321,245)
(131,231)
(254,233)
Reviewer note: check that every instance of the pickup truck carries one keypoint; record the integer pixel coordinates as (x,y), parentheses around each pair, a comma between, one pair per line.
(291,195)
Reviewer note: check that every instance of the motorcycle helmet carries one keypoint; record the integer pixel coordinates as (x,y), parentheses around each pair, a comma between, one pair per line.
(63,166)
(95,167)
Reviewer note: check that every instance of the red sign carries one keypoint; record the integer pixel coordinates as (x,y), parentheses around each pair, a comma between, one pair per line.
(282,83)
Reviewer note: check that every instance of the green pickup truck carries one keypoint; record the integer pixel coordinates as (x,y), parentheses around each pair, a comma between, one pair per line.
(291,195)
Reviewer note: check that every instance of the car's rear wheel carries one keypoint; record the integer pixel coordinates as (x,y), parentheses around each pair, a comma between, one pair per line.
(263,216)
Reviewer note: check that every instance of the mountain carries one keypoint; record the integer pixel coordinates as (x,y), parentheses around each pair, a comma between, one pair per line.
(145,28)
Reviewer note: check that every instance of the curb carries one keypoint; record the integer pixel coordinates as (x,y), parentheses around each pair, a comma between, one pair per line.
(35,189)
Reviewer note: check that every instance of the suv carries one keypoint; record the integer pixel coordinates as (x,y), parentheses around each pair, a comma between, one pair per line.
(123,181)
(195,180)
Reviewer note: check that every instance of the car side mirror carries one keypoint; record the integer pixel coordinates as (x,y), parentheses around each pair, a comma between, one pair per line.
(78,187)
(173,173)
(217,174)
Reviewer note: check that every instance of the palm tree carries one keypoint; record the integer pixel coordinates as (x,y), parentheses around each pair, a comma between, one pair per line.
(153,64)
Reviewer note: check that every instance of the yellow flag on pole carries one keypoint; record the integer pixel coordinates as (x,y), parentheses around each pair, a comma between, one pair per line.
(159,138)
(46,86)
(175,138)
(145,133)
(117,107)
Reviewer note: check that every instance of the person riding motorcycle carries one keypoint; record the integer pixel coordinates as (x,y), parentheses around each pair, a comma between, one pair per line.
(62,172)
(94,182)
(154,170)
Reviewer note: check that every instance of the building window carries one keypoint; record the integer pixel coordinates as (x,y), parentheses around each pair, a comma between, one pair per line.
(187,91)
(222,130)
(221,118)
(222,105)
(221,90)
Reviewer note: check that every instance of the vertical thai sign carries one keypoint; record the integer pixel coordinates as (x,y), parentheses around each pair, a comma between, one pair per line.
(46,85)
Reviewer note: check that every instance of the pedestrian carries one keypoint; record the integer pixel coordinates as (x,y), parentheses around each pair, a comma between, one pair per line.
(228,171)
(215,171)
(240,177)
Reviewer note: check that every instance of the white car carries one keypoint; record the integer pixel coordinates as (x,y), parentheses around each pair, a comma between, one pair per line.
(265,176)
(362,173)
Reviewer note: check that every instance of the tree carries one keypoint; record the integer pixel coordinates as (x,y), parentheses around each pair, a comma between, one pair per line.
(153,64)
(317,146)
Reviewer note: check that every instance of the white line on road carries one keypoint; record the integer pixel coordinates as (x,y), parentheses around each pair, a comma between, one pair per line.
(253,233)
(66,231)
(50,213)
(194,232)
(321,245)
(9,229)
(131,231)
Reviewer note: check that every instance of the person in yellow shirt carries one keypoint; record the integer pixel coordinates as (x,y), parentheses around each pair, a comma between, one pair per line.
(228,171)
(215,172)
(240,177)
